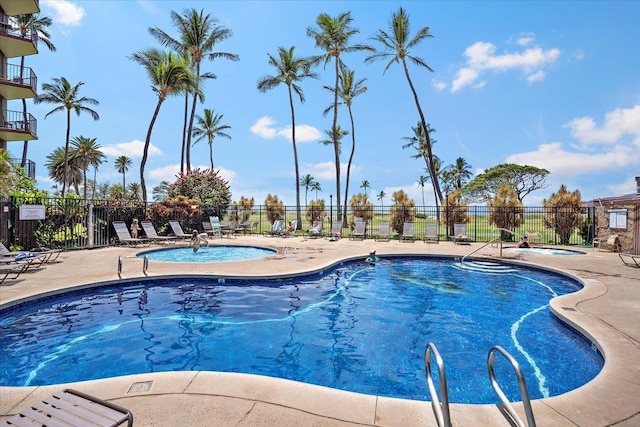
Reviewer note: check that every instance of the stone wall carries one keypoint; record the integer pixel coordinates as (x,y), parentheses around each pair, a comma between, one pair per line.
(626,236)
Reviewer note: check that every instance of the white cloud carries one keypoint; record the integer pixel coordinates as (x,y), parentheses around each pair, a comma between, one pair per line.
(66,12)
(322,171)
(438,84)
(560,162)
(617,124)
(265,128)
(525,39)
(130,149)
(482,57)
(626,187)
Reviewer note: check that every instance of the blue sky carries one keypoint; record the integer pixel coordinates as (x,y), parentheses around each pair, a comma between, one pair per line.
(550,84)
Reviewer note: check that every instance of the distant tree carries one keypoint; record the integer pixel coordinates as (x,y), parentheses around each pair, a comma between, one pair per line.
(333,36)
(316,187)
(365,186)
(209,127)
(66,97)
(381,196)
(274,208)
(418,141)
(206,187)
(505,211)
(160,191)
(306,182)
(290,71)
(523,179)
(170,75)
(403,210)
(361,207)
(241,210)
(315,211)
(122,165)
(57,164)
(563,213)
(456,210)
(460,173)
(134,192)
(421,182)
(86,151)
(396,46)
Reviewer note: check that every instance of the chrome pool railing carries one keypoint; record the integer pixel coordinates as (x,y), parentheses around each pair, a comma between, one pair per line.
(440,410)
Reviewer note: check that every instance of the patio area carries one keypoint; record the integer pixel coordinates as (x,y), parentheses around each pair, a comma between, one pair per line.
(607,311)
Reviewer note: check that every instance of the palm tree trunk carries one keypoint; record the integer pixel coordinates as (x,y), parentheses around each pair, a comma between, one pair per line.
(336,146)
(145,152)
(434,178)
(189,128)
(211,152)
(295,159)
(353,150)
(66,154)
(184,131)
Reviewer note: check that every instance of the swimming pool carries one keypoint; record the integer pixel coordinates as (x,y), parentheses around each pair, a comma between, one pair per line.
(355,327)
(213,253)
(544,251)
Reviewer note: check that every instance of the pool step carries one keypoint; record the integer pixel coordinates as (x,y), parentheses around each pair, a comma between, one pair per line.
(486,267)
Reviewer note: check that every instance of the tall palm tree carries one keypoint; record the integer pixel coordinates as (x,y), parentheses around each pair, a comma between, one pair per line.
(86,151)
(419,141)
(316,187)
(290,71)
(396,46)
(381,196)
(349,88)
(306,182)
(209,126)
(198,36)
(333,35)
(169,75)
(365,184)
(64,170)
(461,172)
(421,182)
(25,25)
(122,165)
(67,98)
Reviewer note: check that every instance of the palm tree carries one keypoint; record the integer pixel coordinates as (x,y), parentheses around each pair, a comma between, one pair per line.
(316,187)
(421,182)
(25,25)
(122,165)
(209,126)
(198,36)
(169,75)
(290,71)
(63,169)
(306,182)
(461,172)
(134,191)
(66,96)
(381,196)
(396,46)
(419,141)
(365,184)
(333,35)
(349,88)
(86,151)
(160,191)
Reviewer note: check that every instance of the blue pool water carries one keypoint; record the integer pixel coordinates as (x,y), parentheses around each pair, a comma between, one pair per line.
(212,253)
(355,327)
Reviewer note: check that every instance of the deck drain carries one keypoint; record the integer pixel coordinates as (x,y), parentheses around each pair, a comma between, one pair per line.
(140,387)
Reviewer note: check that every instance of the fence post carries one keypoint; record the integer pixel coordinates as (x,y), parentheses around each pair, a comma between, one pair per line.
(90,226)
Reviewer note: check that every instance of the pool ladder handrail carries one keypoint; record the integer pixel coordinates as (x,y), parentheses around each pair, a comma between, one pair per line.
(497,239)
(524,393)
(440,410)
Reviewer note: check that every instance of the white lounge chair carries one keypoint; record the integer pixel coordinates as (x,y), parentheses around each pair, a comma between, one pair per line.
(431,233)
(336,230)
(216,226)
(124,237)
(407,232)
(276,228)
(383,232)
(460,234)
(359,230)
(316,229)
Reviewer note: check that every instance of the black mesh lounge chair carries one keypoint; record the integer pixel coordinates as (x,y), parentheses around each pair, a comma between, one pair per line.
(72,408)
(15,269)
(151,233)
(124,237)
(178,231)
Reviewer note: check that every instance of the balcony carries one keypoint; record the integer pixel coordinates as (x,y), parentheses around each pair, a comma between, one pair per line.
(29,167)
(20,7)
(17,126)
(14,41)
(18,85)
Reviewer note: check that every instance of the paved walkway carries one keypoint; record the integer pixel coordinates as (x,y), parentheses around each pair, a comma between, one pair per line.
(607,311)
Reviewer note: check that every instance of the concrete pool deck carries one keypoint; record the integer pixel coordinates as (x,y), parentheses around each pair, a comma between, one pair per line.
(607,310)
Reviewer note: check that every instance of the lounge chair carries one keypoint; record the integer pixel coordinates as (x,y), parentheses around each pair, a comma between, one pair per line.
(336,231)
(216,227)
(460,234)
(359,230)
(407,232)
(51,254)
(16,268)
(72,408)
(383,232)
(431,233)
(30,259)
(609,243)
(316,229)
(630,260)
(124,237)
(178,231)
(276,228)
(292,233)
(151,233)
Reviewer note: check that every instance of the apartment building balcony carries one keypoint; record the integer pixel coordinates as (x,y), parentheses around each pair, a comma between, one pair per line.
(20,7)
(16,126)
(29,167)
(16,42)
(16,83)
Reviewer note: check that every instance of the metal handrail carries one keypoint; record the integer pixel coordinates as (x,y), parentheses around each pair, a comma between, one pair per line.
(524,393)
(486,244)
(440,410)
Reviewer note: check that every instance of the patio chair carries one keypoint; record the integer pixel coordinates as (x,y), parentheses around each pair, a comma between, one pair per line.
(72,408)
(431,233)
(336,231)
(383,232)
(50,254)
(151,233)
(291,233)
(276,228)
(316,230)
(407,232)
(359,230)
(216,227)
(178,231)
(628,259)
(124,237)
(30,259)
(609,243)
(16,268)
(460,234)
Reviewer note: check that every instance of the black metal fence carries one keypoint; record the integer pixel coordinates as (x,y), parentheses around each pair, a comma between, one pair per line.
(77,224)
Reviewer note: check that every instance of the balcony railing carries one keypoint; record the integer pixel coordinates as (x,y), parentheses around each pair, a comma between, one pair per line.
(11,49)
(19,83)
(17,126)
(29,167)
